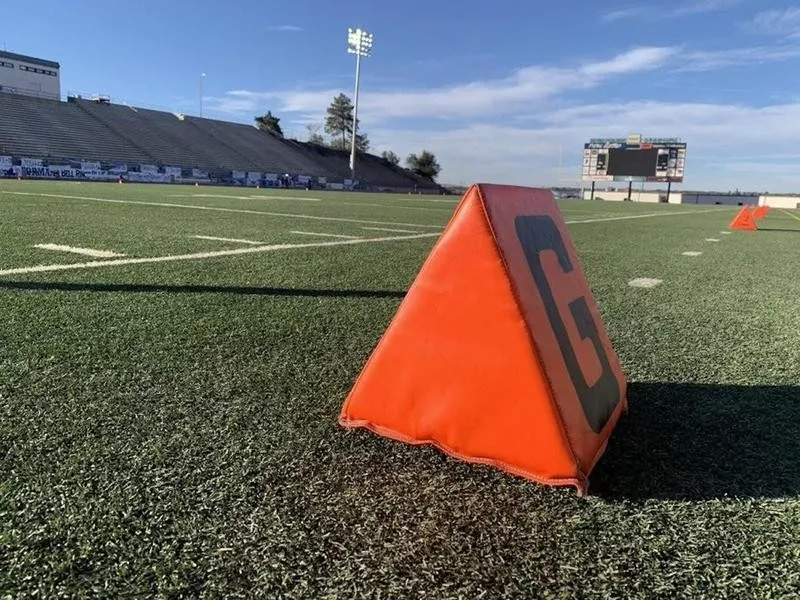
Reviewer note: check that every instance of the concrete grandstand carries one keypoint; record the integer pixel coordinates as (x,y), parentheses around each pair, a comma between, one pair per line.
(122,141)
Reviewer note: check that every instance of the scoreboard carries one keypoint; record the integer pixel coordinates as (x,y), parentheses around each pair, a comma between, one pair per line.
(634,159)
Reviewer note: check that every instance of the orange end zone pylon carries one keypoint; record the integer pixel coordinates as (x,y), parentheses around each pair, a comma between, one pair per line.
(497,355)
(760,212)
(744,220)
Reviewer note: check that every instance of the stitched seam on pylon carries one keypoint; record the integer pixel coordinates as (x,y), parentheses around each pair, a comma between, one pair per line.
(581,483)
(534,345)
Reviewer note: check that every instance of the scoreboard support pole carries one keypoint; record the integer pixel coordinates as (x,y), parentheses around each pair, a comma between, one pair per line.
(591,196)
(669,188)
(630,190)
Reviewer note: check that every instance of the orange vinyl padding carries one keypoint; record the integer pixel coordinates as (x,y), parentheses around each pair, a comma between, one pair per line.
(744,220)
(497,354)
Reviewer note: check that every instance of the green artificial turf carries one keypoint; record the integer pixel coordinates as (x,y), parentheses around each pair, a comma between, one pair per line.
(170,429)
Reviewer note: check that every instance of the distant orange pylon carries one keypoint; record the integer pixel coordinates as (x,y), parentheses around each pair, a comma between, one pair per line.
(744,221)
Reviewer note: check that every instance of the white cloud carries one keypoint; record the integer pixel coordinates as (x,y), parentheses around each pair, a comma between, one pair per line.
(784,22)
(524,86)
(730,146)
(710,60)
(723,138)
(621,14)
(704,6)
(666,11)
(287,28)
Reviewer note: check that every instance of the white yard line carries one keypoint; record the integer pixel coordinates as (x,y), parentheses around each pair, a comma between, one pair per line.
(645,282)
(333,235)
(441,200)
(387,205)
(203,255)
(251,197)
(644,216)
(222,239)
(223,209)
(790,214)
(83,251)
(389,230)
(300,198)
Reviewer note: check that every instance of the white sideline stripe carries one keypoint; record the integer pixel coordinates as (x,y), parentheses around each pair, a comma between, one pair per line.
(84,251)
(644,216)
(301,198)
(333,235)
(389,230)
(223,209)
(202,255)
(251,197)
(387,205)
(691,253)
(645,282)
(712,240)
(442,200)
(221,239)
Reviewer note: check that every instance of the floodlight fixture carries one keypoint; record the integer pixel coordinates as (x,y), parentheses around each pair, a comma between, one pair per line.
(359,42)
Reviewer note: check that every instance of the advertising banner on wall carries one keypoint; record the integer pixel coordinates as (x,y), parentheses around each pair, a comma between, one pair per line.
(30,162)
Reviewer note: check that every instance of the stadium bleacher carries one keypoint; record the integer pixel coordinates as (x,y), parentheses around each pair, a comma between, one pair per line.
(89,130)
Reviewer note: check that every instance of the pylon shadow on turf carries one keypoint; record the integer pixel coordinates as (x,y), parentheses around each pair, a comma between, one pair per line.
(195,289)
(702,442)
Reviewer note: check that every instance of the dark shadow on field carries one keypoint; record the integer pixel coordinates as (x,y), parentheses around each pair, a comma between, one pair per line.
(778,229)
(703,442)
(195,289)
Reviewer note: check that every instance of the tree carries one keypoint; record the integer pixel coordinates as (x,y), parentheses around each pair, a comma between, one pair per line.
(269,123)
(314,136)
(424,164)
(339,125)
(390,157)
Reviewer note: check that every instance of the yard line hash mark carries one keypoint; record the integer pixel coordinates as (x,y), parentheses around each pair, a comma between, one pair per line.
(333,235)
(645,282)
(223,209)
(726,232)
(712,240)
(203,255)
(691,253)
(84,251)
(222,239)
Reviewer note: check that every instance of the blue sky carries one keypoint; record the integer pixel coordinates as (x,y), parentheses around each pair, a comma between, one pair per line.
(501,91)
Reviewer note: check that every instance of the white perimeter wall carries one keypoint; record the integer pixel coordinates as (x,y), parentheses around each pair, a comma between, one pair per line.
(636,196)
(780,201)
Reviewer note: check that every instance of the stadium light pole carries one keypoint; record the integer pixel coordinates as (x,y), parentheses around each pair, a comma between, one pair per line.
(359,42)
(202,78)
